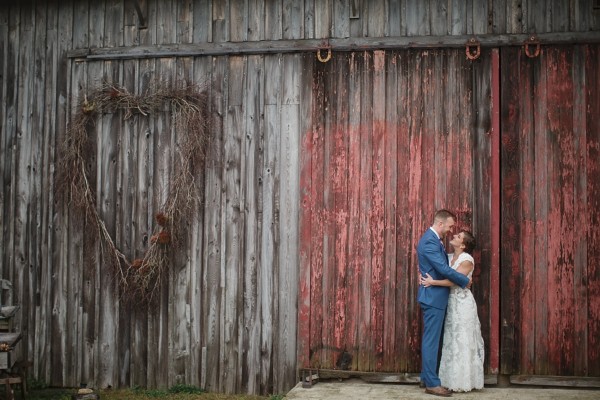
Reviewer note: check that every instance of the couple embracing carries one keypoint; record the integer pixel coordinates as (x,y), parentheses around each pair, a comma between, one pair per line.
(447,304)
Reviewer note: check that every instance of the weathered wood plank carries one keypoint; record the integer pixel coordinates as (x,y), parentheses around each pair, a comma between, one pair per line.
(328,351)
(269,223)
(108,134)
(232,231)
(536,15)
(390,222)
(24,166)
(592,83)
(377,18)
(285,346)
(355,62)
(518,18)
(317,224)
(202,27)
(481,18)
(340,19)
(220,27)
(417,19)
(486,100)
(198,266)
(323,19)
(543,210)
(438,18)
(528,211)
(126,187)
(113,23)
(256,20)
(511,169)
(580,212)
(560,223)
(166,22)
(306,210)
(273,20)
(377,227)
(4,142)
(457,15)
(251,178)
(414,201)
(238,20)
(162,165)
(339,191)
(405,276)
(292,21)
(180,286)
(58,341)
(143,217)
(396,23)
(559,15)
(184,21)
(287,290)
(95,21)
(364,238)
(147,32)
(212,280)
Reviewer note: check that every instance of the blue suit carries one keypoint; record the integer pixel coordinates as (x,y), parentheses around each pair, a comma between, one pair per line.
(433,301)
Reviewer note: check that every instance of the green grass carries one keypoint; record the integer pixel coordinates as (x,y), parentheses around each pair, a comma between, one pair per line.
(177,392)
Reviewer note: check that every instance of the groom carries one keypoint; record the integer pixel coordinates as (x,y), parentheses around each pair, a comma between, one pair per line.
(434,299)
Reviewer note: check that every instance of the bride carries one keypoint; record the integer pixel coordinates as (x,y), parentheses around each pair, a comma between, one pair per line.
(461,366)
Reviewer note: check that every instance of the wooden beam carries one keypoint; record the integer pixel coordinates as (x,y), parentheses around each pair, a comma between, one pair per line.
(379,377)
(308,45)
(549,380)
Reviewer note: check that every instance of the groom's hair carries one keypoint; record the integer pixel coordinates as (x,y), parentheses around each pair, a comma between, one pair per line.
(468,241)
(443,215)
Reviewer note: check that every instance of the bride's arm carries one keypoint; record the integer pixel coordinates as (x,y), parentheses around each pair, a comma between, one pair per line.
(464,268)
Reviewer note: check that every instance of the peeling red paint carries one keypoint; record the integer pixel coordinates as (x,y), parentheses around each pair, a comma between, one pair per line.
(381,162)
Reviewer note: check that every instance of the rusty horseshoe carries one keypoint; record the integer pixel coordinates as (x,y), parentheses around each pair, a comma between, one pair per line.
(534,41)
(476,46)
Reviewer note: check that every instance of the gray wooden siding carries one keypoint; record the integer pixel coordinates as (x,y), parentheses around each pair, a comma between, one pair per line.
(227,320)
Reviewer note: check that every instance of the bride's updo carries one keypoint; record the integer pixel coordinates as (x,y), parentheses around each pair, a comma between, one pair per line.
(468,241)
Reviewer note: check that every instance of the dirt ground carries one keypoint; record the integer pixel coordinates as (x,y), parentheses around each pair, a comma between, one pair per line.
(360,390)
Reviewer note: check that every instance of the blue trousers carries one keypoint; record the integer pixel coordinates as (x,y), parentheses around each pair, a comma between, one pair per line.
(433,321)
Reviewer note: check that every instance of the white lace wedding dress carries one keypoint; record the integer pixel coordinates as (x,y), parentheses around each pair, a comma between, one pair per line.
(461,366)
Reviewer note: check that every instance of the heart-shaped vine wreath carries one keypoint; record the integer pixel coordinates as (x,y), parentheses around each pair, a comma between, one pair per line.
(141,278)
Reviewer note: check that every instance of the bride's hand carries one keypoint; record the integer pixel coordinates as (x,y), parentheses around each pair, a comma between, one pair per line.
(427,280)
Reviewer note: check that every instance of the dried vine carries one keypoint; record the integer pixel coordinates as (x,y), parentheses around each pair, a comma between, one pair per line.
(140,279)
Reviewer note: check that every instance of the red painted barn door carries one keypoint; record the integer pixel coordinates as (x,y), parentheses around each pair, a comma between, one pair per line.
(550,250)
(392,136)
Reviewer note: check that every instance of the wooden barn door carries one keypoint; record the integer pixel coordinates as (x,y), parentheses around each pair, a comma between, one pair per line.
(550,248)
(394,136)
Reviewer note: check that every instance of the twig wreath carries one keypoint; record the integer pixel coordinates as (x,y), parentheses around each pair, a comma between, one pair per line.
(141,278)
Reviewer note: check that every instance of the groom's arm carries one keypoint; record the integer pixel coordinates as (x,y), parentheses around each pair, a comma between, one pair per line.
(464,268)
(440,264)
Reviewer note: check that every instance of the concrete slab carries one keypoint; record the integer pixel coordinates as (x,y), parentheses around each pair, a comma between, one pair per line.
(357,389)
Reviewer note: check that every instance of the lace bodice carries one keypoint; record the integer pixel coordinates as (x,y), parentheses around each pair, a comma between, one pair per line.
(462,257)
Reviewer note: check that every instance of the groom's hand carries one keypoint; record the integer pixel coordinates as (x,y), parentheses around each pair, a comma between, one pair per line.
(470,283)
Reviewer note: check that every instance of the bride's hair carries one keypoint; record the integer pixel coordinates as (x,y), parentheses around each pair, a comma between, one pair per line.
(468,241)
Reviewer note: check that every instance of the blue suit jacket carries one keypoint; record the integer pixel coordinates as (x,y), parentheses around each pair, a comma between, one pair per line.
(434,261)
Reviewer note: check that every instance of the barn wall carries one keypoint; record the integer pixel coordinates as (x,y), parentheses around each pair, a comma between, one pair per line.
(239,278)
(550,280)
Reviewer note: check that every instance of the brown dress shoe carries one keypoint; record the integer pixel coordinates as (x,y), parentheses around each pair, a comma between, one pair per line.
(438,391)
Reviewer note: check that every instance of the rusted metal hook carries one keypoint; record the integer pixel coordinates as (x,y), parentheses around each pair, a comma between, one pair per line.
(473,43)
(534,41)
(327,57)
